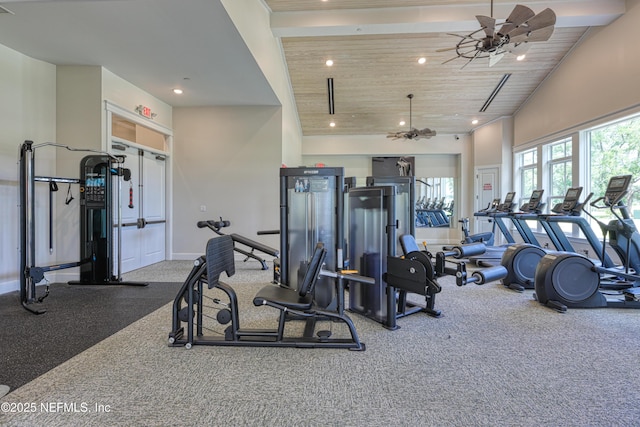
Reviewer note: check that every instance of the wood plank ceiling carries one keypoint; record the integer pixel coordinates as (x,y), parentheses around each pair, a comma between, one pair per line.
(374,73)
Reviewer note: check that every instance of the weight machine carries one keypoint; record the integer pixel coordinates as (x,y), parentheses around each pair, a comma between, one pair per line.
(196,311)
(96,220)
(374,213)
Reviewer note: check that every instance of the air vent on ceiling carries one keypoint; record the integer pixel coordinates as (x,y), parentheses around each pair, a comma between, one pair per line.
(5,10)
(495,92)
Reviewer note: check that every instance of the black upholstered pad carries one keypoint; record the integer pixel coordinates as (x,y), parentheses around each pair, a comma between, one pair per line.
(283,296)
(219,258)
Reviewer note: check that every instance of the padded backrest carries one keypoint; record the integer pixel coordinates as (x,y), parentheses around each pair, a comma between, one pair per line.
(408,243)
(313,270)
(219,258)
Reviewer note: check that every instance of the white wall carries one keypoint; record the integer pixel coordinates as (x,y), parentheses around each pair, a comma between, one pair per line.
(227,159)
(600,77)
(81,123)
(252,20)
(492,146)
(27,111)
(124,94)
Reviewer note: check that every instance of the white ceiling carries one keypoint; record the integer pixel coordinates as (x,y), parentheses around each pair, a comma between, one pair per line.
(160,44)
(154,44)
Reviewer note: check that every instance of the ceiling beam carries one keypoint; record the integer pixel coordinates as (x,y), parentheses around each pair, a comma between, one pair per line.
(433,19)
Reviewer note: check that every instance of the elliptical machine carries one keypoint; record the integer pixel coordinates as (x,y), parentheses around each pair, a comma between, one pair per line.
(565,280)
(521,260)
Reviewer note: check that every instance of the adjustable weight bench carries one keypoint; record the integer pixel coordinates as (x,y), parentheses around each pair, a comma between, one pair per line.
(294,304)
(237,238)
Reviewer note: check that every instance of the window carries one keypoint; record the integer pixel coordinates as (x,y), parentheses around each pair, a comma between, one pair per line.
(560,170)
(614,149)
(528,165)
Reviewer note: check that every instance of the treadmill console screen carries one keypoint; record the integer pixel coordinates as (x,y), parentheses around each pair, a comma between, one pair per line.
(617,188)
(508,202)
(509,197)
(571,198)
(534,200)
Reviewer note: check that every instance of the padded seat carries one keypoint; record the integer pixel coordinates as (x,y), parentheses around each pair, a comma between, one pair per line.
(287,297)
(300,299)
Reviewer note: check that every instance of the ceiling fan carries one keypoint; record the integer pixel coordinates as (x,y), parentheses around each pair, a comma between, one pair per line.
(412,133)
(522,27)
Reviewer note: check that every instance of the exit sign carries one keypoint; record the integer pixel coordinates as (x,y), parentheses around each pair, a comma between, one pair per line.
(145,111)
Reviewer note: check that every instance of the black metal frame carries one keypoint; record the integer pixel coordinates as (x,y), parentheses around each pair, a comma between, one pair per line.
(189,307)
(30,273)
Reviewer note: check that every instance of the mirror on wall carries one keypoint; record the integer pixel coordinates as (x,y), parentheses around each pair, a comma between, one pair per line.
(435,202)
(434,195)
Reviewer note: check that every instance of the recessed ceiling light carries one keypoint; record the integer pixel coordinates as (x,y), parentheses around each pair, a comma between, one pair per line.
(177,91)
(402,123)
(474,121)
(332,124)
(329,62)
(422,60)
(521,57)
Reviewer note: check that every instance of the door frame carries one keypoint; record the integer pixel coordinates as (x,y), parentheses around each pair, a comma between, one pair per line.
(110,109)
(497,191)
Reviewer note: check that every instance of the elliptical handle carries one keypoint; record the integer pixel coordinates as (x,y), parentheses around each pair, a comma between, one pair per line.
(595,203)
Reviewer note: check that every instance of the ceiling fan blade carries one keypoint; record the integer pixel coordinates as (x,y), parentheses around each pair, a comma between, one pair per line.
(518,15)
(494,58)
(488,24)
(546,18)
(541,35)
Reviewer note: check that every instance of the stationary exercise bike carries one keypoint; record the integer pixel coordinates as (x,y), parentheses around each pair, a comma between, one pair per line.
(195,311)
(565,280)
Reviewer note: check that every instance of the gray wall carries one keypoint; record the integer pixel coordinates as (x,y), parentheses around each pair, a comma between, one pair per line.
(227,159)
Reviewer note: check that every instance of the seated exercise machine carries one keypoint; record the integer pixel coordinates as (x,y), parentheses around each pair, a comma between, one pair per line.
(376,218)
(193,308)
(417,272)
(217,225)
(569,280)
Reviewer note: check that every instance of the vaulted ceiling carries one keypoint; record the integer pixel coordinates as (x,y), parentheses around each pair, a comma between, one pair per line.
(375,45)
